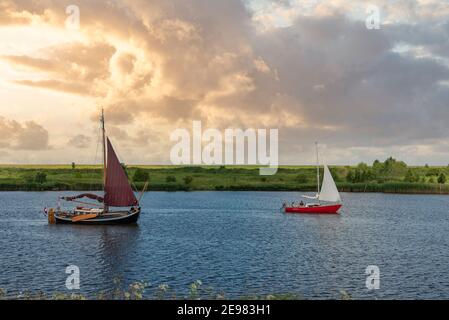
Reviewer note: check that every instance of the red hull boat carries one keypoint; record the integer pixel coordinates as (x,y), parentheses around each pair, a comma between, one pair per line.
(329,200)
(330,209)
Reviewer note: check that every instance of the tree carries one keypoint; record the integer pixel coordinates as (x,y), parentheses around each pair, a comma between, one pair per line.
(410,176)
(40,177)
(170,179)
(432,172)
(141,175)
(362,166)
(188,180)
(442,178)
(73,165)
(350,176)
(357,176)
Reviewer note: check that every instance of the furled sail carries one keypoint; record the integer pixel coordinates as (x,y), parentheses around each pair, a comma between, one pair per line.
(311,197)
(84,195)
(329,191)
(118,191)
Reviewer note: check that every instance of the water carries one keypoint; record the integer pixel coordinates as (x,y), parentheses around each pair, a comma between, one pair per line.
(237,243)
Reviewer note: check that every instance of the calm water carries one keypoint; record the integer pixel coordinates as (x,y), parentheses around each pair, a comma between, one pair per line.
(236,242)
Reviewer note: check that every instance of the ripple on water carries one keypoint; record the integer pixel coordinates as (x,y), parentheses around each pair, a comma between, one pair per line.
(235,242)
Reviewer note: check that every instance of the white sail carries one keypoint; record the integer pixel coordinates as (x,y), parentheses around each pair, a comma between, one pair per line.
(329,191)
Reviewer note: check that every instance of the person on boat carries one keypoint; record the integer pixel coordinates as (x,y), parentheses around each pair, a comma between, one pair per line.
(301,204)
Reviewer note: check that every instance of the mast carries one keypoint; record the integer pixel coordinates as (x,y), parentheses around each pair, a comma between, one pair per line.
(317,170)
(103,140)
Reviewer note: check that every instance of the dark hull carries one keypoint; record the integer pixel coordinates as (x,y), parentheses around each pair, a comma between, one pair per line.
(111,219)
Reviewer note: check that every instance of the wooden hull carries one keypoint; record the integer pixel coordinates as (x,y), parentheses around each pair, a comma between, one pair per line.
(330,209)
(113,218)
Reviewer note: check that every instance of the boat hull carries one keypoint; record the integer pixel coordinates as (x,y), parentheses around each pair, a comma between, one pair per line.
(116,218)
(330,209)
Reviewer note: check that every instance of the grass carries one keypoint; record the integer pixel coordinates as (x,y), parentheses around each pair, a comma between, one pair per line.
(144,291)
(221,178)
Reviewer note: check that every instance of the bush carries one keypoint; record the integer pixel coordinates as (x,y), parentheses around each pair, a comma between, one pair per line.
(442,178)
(411,177)
(188,180)
(170,179)
(141,175)
(40,177)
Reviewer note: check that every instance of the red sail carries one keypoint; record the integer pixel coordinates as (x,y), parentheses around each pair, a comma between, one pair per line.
(118,192)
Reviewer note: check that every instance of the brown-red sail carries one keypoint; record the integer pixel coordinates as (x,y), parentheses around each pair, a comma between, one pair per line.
(118,191)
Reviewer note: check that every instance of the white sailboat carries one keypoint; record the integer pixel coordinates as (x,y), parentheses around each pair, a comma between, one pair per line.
(329,200)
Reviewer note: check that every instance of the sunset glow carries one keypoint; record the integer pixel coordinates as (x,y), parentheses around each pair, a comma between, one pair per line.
(308,68)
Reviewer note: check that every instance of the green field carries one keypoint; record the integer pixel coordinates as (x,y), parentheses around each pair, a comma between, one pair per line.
(390,176)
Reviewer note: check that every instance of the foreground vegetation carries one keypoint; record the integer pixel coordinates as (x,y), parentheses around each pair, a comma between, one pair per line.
(144,291)
(390,176)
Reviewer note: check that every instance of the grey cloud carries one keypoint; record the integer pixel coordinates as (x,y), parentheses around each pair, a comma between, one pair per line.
(80,141)
(22,136)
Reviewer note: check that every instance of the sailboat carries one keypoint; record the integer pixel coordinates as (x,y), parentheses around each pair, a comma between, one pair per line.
(118,193)
(329,200)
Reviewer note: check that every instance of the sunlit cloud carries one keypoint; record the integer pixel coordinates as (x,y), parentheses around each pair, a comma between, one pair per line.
(310,68)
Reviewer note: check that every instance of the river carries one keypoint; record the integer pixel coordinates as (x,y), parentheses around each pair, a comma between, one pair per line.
(236,243)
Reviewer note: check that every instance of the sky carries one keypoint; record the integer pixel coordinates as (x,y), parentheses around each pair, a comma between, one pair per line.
(311,69)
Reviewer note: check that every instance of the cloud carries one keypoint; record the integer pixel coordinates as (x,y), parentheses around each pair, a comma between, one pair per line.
(75,68)
(9,15)
(22,136)
(311,69)
(80,141)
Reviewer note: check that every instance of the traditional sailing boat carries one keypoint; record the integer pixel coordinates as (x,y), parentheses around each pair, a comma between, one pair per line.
(117,193)
(329,200)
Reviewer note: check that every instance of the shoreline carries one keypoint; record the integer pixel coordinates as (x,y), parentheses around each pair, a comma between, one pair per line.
(355,188)
(225,178)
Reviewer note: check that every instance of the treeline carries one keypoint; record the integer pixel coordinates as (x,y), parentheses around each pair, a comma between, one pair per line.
(393,170)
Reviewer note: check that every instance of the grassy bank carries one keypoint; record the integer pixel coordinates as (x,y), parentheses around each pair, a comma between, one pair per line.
(390,176)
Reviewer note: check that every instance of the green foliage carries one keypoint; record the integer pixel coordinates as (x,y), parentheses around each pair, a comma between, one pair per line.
(432,172)
(40,177)
(360,175)
(188,180)
(73,166)
(442,178)
(302,178)
(411,177)
(360,178)
(141,175)
(170,179)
